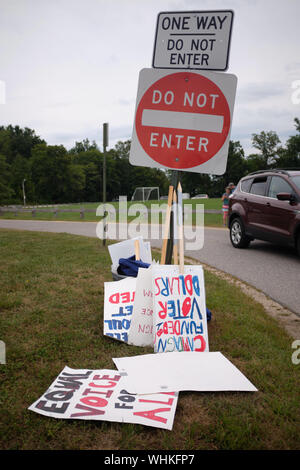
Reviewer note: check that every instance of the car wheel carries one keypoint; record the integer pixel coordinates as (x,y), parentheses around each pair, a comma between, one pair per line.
(237,234)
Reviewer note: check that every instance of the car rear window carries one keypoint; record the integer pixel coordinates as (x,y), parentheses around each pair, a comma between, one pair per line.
(259,186)
(246,184)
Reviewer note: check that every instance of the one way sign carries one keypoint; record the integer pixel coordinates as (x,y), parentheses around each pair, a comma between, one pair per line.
(193,40)
(183,120)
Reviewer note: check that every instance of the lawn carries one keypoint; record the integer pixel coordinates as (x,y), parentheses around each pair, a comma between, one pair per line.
(71,212)
(51,315)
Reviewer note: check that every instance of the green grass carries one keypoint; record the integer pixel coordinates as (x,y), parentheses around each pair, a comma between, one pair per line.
(51,315)
(213,220)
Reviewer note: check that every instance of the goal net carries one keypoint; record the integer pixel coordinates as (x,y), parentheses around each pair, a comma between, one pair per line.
(145,194)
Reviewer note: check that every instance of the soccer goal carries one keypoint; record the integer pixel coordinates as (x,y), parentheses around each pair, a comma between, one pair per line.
(145,194)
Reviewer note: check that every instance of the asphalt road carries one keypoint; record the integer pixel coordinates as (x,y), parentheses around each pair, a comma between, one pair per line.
(272,269)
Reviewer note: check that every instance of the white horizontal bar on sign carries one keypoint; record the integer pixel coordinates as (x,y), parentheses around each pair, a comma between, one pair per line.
(182,120)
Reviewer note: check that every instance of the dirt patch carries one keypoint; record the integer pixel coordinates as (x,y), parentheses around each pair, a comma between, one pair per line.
(289,320)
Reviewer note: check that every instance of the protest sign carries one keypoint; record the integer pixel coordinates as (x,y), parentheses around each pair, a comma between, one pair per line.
(179,309)
(118,306)
(179,371)
(102,395)
(141,331)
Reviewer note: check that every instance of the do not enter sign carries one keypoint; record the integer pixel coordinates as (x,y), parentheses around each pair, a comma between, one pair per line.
(183,120)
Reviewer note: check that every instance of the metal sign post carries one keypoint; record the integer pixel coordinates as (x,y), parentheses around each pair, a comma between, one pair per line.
(105,145)
(184,105)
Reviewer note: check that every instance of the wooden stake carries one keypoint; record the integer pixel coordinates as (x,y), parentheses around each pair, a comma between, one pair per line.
(175,231)
(137,250)
(180,230)
(167,226)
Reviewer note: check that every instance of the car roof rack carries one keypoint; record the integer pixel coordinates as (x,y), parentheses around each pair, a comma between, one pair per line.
(273,170)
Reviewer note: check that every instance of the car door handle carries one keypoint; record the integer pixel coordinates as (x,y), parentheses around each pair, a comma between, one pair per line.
(268,204)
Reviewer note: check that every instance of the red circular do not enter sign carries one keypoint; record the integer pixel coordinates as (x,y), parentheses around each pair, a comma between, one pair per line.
(182,120)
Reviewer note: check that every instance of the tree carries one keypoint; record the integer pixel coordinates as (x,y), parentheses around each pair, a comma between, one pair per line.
(17,141)
(267,143)
(195,183)
(20,170)
(124,177)
(83,146)
(6,191)
(290,156)
(75,183)
(50,169)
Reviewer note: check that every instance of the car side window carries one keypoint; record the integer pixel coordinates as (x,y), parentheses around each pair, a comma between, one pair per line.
(279,185)
(246,184)
(259,186)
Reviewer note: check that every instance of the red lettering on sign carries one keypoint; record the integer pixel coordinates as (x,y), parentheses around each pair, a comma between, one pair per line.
(186,306)
(163,312)
(89,411)
(94,401)
(169,402)
(123,298)
(153,414)
(202,341)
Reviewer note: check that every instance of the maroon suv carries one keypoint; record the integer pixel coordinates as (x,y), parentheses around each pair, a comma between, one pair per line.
(266,205)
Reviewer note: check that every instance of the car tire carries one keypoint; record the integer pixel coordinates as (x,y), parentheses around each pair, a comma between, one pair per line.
(237,234)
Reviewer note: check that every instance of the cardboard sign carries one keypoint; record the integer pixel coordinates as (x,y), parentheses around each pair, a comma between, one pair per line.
(179,371)
(118,306)
(125,249)
(102,395)
(183,120)
(141,331)
(193,40)
(179,309)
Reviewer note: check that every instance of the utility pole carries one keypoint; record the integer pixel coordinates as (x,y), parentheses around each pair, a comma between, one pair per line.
(105,145)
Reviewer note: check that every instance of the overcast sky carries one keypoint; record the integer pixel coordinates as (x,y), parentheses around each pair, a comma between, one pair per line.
(69,66)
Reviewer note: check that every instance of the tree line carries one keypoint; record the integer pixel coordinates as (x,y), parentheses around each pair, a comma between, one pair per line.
(51,174)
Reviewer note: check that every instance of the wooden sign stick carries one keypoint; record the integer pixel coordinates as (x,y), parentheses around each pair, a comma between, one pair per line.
(180,229)
(167,226)
(137,250)
(175,231)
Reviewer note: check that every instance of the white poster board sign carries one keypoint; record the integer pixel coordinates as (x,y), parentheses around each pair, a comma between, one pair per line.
(118,306)
(179,371)
(125,249)
(141,331)
(102,395)
(179,309)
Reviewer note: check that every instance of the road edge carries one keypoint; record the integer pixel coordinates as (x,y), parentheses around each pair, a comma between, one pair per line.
(289,320)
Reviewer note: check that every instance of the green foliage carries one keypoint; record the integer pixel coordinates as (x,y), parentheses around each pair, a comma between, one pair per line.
(54,175)
(267,143)
(6,191)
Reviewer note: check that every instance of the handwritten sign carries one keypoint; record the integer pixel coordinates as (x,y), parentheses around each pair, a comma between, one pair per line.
(179,309)
(102,395)
(118,306)
(141,331)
